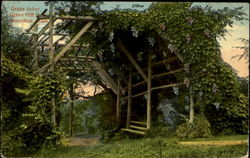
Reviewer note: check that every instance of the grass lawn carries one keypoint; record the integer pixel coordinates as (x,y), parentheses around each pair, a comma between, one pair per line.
(152,148)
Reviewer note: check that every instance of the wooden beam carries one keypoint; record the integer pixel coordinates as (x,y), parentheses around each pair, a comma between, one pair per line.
(51,55)
(149,91)
(118,102)
(77,69)
(51,25)
(61,45)
(134,131)
(138,122)
(35,57)
(139,94)
(71,95)
(105,76)
(84,18)
(79,34)
(28,30)
(167,86)
(168,60)
(167,73)
(137,84)
(131,59)
(138,127)
(39,56)
(77,57)
(129,97)
(45,28)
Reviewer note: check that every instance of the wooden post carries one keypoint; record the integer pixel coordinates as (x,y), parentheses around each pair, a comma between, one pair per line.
(71,94)
(149,91)
(35,57)
(51,56)
(118,103)
(191,112)
(129,96)
(51,25)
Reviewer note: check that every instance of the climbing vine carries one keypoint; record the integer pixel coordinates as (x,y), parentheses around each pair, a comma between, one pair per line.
(35,116)
(192,32)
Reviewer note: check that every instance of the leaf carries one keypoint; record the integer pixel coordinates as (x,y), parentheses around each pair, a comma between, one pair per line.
(23,91)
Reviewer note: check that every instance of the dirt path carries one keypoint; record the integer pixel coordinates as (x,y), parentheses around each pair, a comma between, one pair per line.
(219,142)
(76,141)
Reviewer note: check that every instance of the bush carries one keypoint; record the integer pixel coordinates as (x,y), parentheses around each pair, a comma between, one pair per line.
(231,118)
(200,128)
(160,130)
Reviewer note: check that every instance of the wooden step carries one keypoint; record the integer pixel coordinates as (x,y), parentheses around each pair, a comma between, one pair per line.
(137,127)
(137,122)
(134,131)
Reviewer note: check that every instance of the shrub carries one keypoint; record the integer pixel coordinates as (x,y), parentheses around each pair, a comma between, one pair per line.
(200,128)
(231,117)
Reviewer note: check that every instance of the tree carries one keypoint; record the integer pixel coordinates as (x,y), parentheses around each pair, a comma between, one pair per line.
(245,49)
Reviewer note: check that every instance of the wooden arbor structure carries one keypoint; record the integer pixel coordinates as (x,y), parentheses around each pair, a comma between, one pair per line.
(56,55)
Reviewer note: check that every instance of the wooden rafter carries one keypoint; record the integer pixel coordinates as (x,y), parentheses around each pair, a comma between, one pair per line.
(79,34)
(105,76)
(84,18)
(167,73)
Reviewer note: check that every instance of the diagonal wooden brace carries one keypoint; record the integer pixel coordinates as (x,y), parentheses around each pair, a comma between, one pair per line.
(131,59)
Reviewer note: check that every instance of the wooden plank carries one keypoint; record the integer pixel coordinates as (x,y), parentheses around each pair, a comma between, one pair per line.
(129,97)
(77,69)
(84,18)
(105,76)
(28,30)
(137,95)
(44,28)
(51,55)
(149,91)
(118,102)
(134,131)
(79,34)
(131,59)
(61,45)
(168,60)
(40,33)
(71,96)
(138,122)
(137,127)
(43,68)
(166,86)
(167,73)
(51,25)
(35,58)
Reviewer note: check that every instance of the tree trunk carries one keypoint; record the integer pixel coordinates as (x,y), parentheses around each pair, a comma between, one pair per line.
(71,94)
(191,117)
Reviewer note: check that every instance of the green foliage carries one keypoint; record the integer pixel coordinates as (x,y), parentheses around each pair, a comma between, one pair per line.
(198,129)
(190,31)
(27,116)
(146,147)
(13,45)
(176,27)
(232,116)
(93,116)
(162,131)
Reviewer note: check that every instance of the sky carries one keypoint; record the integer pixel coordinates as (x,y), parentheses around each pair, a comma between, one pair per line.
(227,46)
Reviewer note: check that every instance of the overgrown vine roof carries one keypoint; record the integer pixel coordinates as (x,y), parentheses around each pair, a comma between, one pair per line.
(166,28)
